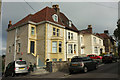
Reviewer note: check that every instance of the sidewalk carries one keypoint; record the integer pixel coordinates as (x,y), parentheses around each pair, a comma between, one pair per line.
(51,75)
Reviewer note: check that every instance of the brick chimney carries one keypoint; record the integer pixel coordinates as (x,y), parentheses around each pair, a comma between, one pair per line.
(10,23)
(56,7)
(89,28)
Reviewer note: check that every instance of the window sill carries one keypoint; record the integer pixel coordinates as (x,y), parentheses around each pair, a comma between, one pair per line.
(56,53)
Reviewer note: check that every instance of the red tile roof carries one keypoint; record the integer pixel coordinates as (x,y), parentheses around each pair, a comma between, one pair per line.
(103,35)
(46,15)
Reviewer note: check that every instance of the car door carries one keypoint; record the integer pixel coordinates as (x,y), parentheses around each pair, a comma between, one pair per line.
(91,63)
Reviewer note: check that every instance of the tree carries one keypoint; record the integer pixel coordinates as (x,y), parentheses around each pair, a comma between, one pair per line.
(117,35)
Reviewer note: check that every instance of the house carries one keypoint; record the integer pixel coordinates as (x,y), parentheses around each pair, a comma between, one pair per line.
(89,43)
(47,35)
(108,41)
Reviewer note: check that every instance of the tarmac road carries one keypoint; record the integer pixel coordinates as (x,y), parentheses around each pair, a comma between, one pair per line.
(110,71)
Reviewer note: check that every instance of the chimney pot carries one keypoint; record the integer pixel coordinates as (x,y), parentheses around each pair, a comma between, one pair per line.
(90,28)
(56,7)
(10,23)
(106,32)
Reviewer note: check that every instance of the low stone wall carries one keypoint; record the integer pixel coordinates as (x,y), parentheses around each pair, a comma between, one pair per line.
(57,66)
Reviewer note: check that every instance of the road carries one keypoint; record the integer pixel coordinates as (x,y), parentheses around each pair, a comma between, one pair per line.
(110,70)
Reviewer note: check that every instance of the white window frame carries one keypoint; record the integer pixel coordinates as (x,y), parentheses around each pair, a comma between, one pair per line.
(94,39)
(68,35)
(58,32)
(60,42)
(71,36)
(70,48)
(54,31)
(55,17)
(75,48)
(54,47)
(33,30)
(70,23)
(96,49)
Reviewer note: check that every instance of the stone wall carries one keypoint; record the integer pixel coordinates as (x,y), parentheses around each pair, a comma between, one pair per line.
(57,66)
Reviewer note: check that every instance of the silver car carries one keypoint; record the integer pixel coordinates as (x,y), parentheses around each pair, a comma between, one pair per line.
(15,67)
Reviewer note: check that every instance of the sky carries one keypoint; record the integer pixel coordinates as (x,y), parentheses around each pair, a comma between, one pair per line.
(101,15)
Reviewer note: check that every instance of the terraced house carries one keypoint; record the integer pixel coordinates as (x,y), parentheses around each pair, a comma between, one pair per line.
(47,35)
(90,43)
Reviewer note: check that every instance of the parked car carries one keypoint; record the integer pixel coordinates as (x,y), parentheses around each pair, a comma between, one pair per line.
(82,64)
(93,56)
(109,58)
(16,67)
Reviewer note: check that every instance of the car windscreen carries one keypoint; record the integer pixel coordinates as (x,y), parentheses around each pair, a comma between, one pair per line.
(76,60)
(21,62)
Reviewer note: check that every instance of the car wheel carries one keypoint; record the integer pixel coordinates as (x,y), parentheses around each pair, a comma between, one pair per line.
(85,69)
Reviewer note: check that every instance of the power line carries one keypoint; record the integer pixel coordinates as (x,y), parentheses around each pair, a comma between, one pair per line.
(105,6)
(30,6)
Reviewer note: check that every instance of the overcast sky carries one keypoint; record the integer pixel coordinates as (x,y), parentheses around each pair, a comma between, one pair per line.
(101,15)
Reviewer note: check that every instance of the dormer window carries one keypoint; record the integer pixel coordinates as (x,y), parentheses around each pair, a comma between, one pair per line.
(55,17)
(70,23)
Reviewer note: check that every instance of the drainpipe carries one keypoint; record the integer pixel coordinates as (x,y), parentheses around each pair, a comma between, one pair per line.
(66,44)
(15,45)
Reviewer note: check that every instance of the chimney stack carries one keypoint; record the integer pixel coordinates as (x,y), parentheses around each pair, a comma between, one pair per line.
(56,7)
(106,32)
(90,28)
(10,23)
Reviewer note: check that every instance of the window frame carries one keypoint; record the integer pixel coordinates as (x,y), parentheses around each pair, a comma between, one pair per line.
(68,35)
(58,32)
(54,59)
(60,47)
(96,49)
(54,31)
(33,30)
(71,36)
(32,50)
(70,48)
(55,17)
(54,47)
(19,45)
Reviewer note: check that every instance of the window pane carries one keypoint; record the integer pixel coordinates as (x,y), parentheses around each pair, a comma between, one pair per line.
(68,35)
(53,31)
(18,47)
(70,48)
(71,35)
(32,31)
(54,59)
(57,32)
(60,59)
(32,47)
(60,46)
(54,47)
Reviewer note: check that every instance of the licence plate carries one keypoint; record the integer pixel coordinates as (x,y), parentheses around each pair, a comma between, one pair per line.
(74,64)
(21,68)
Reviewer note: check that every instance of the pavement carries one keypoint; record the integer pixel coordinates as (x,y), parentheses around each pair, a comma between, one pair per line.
(43,74)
